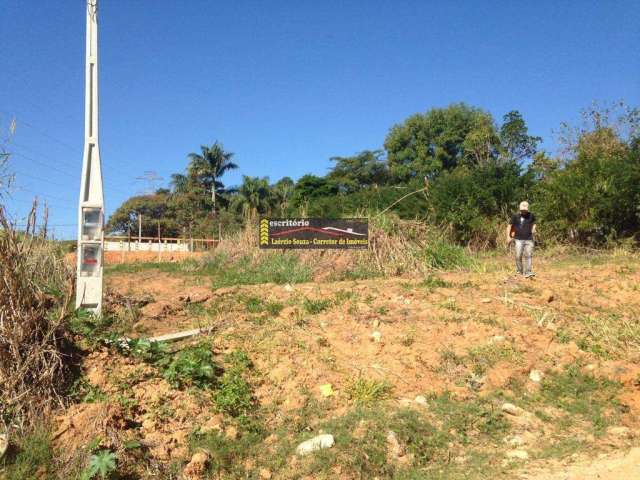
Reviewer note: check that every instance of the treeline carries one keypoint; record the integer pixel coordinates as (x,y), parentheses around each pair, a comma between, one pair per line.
(455,167)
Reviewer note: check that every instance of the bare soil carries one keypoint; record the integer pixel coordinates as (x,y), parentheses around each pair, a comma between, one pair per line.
(399,330)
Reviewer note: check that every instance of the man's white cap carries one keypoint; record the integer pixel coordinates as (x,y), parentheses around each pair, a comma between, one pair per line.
(524,206)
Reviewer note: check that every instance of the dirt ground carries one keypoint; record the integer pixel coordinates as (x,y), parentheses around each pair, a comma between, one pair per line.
(462,332)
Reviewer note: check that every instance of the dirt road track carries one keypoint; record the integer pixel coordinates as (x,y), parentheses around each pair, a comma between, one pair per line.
(622,466)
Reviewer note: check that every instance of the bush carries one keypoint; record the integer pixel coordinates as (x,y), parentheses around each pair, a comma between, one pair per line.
(441,255)
(35,292)
(193,366)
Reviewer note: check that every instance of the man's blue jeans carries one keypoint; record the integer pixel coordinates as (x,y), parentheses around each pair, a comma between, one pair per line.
(524,256)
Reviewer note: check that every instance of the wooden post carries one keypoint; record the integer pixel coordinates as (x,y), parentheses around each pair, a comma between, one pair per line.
(159,242)
(139,228)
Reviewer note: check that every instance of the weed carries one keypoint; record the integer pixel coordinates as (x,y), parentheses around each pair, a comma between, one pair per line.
(441,255)
(34,457)
(609,335)
(83,392)
(342,296)
(192,366)
(313,307)
(466,417)
(450,304)
(431,282)
(233,396)
(484,357)
(366,391)
(101,465)
(408,338)
(583,395)
(258,305)
(227,456)
(358,272)
(147,350)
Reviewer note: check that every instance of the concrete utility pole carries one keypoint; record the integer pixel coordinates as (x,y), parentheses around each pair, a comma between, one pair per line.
(91,204)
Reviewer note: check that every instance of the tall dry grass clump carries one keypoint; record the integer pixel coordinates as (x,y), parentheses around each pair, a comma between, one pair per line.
(35,292)
(396,247)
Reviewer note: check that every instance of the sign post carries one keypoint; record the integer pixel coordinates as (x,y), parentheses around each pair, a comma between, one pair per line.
(91,204)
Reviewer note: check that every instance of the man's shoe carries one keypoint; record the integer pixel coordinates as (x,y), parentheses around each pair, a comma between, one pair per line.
(529,275)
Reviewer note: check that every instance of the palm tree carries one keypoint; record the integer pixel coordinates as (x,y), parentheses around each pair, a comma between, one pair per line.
(208,166)
(252,196)
(281,192)
(179,183)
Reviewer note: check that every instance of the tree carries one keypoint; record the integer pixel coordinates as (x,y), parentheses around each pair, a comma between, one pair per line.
(516,142)
(310,187)
(206,168)
(153,208)
(426,144)
(253,196)
(281,192)
(179,183)
(595,195)
(362,170)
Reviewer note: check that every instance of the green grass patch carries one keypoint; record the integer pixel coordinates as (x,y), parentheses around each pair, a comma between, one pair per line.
(441,255)
(368,390)
(315,306)
(32,456)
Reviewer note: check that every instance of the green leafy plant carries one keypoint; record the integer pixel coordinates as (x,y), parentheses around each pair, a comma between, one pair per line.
(103,464)
(193,366)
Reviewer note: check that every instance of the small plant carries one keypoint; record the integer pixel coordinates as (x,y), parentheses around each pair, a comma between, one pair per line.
(367,390)
(147,350)
(103,465)
(233,396)
(486,356)
(313,307)
(193,366)
(83,392)
(432,282)
(258,305)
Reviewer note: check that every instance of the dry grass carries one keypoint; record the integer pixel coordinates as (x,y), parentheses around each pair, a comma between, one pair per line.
(396,247)
(35,291)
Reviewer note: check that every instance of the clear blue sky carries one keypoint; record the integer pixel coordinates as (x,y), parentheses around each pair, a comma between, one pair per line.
(287,84)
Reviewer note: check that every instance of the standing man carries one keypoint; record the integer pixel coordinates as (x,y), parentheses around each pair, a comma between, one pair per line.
(522,228)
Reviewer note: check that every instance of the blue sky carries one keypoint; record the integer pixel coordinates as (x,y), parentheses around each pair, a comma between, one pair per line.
(287,84)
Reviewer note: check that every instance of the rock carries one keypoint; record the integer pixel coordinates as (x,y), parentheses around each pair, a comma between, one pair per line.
(196,467)
(288,288)
(620,432)
(316,443)
(420,400)
(511,409)
(518,454)
(376,336)
(515,441)
(535,376)
(496,339)
(231,432)
(485,300)
(214,423)
(548,296)
(326,390)
(395,452)
(375,323)
(265,473)
(4,443)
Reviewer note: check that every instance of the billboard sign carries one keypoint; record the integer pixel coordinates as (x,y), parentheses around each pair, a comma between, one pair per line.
(318,233)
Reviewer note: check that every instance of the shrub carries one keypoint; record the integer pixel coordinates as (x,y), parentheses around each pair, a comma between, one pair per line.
(193,366)
(35,293)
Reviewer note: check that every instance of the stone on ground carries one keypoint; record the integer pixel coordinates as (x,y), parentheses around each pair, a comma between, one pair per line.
(316,443)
